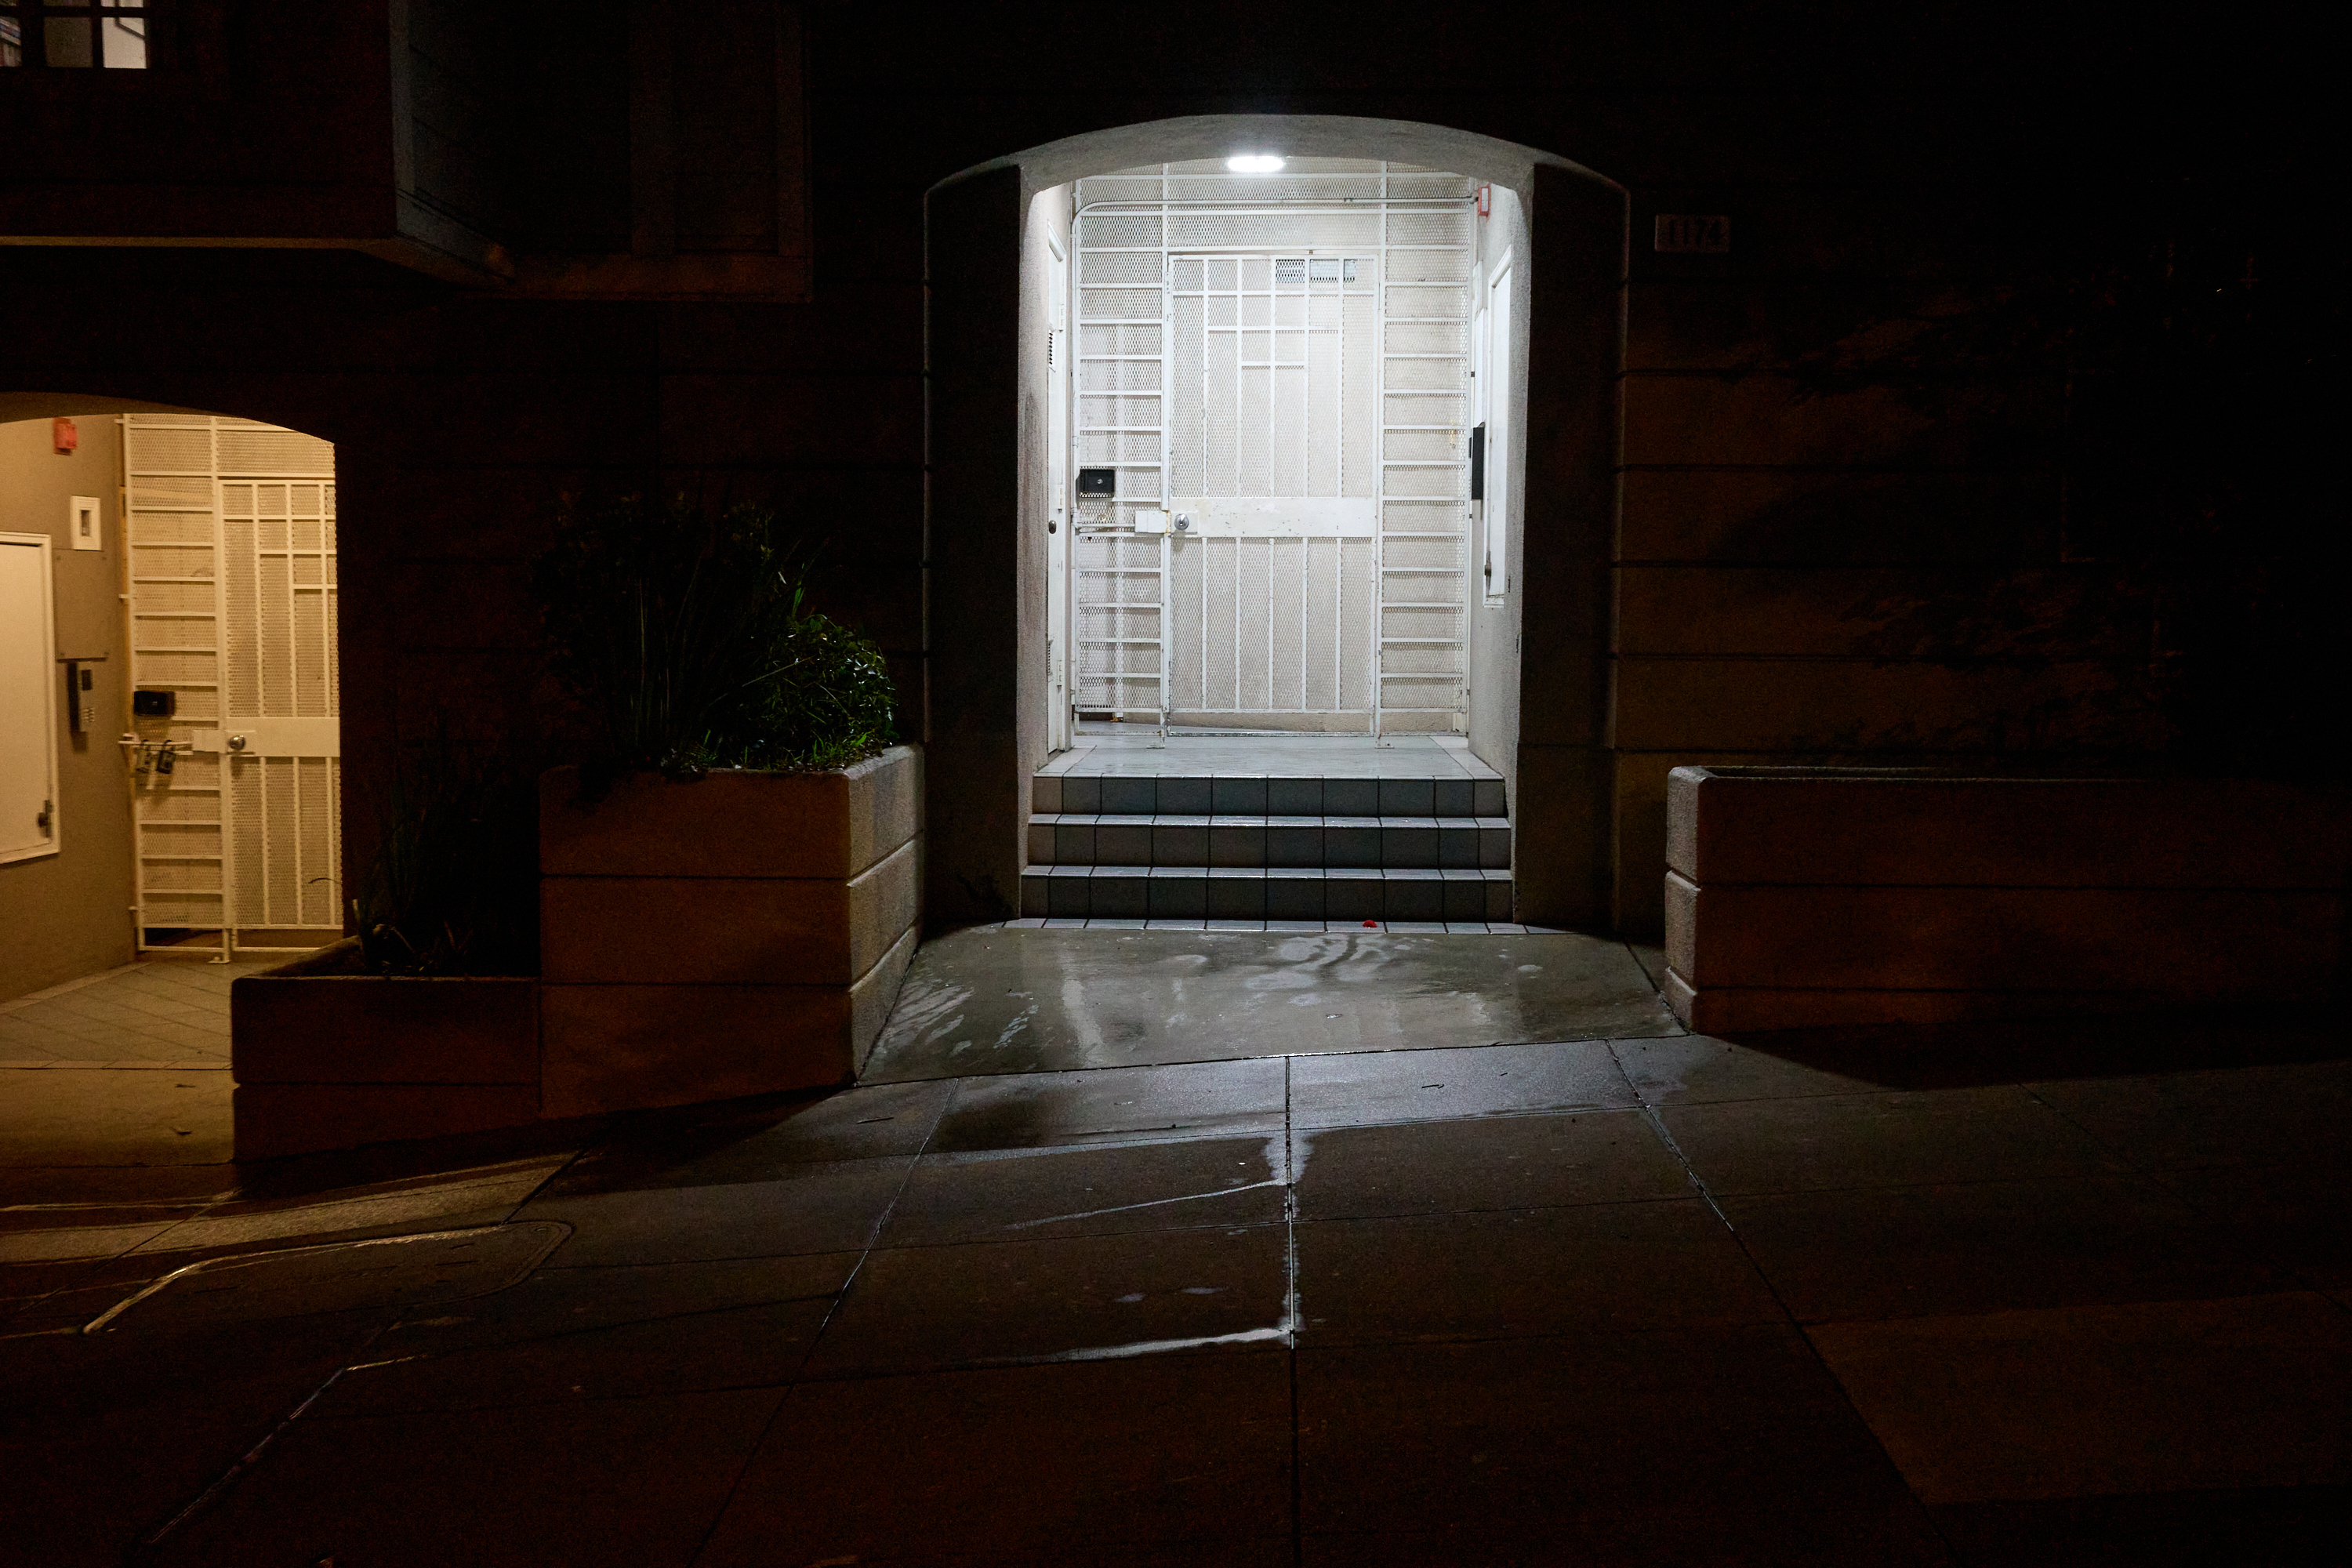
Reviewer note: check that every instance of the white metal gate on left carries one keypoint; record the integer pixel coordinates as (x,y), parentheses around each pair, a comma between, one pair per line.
(238,792)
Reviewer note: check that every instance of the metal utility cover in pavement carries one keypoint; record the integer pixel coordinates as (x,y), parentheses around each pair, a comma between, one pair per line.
(340,1277)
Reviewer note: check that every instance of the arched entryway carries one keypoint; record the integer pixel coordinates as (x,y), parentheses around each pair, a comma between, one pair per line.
(196,754)
(1538,678)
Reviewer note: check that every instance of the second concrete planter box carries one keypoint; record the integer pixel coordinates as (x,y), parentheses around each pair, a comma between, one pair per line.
(1803,897)
(735,934)
(328,1056)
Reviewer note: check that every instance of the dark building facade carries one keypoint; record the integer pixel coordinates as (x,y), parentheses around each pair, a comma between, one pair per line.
(1983,442)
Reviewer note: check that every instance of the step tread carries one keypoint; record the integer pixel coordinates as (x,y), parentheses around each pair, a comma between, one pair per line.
(1410,776)
(1143,795)
(1082,840)
(1188,819)
(1328,873)
(1399,928)
(1254,892)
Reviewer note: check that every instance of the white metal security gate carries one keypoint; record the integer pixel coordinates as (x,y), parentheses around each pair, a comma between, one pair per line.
(1281,362)
(232,604)
(1273,383)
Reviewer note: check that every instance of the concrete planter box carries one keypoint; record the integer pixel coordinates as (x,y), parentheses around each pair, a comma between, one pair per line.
(1800,897)
(326,1055)
(735,935)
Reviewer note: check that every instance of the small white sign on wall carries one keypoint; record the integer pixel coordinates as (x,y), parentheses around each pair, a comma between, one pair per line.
(85,525)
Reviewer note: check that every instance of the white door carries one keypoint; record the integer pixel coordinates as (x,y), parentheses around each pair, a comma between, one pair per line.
(1275,465)
(1057,498)
(1494,554)
(233,609)
(29,673)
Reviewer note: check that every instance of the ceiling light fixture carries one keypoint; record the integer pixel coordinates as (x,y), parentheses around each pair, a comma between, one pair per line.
(1253,163)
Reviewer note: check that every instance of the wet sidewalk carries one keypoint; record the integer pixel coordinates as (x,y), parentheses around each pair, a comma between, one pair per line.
(2045,1294)
(1023,997)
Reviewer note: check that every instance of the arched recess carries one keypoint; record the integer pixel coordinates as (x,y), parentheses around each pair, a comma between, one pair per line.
(368,741)
(985,656)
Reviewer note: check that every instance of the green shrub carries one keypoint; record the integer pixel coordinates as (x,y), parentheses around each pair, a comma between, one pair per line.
(828,702)
(686,635)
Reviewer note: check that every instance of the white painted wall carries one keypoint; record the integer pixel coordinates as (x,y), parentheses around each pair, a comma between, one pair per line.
(68,913)
(1494,651)
(1047,224)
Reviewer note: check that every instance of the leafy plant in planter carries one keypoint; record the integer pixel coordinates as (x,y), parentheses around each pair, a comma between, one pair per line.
(688,636)
(782,888)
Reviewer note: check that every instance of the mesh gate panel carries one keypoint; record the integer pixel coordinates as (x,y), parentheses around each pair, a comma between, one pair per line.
(247,449)
(231,529)
(1302,351)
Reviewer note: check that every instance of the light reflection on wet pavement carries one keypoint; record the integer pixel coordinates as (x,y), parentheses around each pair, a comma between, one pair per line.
(997,1000)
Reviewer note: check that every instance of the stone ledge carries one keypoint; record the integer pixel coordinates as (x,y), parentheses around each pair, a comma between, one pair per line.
(303,1023)
(733,823)
(677,931)
(634,1047)
(1907,827)
(2160,942)
(1806,897)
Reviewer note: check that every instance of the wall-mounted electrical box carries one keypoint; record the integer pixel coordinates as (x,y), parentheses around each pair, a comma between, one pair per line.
(152,704)
(1098,481)
(28,704)
(81,695)
(84,524)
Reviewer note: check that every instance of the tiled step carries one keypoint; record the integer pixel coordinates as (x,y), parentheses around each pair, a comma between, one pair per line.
(1263,892)
(1261,794)
(1414,842)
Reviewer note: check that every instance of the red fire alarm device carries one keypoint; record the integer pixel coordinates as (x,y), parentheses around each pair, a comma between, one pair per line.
(63,435)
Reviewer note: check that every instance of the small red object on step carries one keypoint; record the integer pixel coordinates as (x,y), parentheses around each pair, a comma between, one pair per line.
(1372,925)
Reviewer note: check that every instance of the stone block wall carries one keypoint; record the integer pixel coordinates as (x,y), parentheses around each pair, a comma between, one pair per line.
(1801,897)
(736,934)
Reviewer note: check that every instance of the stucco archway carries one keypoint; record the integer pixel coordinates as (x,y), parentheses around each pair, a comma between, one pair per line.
(984,668)
(309,408)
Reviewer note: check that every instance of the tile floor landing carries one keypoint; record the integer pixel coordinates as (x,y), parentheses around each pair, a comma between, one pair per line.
(129,1067)
(160,1013)
(1264,756)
